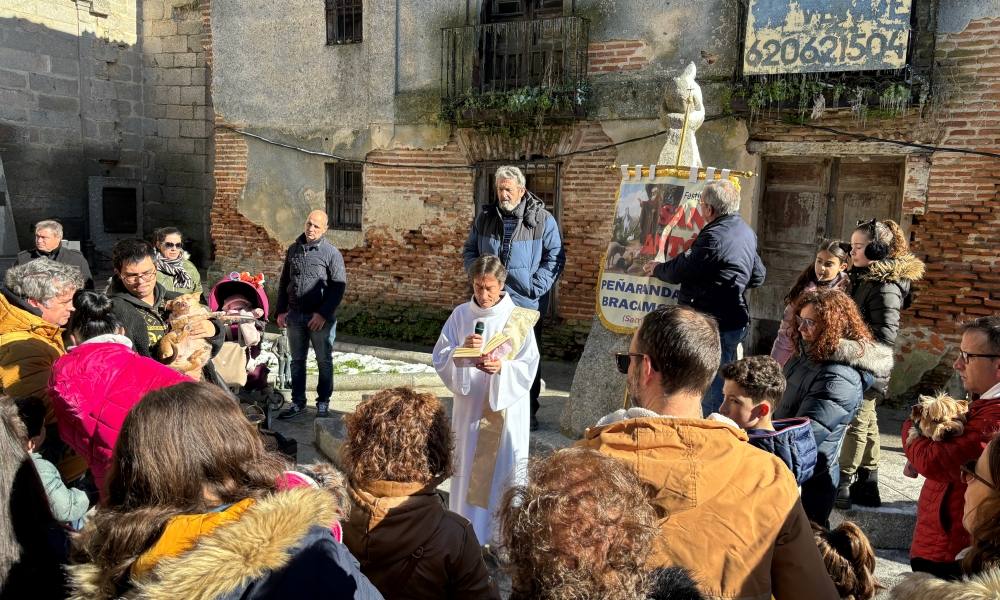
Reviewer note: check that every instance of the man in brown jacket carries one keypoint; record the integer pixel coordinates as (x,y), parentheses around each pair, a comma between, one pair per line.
(729,512)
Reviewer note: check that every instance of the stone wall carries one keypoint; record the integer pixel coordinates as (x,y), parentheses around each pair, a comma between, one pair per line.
(109,88)
(70,105)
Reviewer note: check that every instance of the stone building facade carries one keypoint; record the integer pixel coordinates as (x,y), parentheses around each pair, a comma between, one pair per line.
(99,94)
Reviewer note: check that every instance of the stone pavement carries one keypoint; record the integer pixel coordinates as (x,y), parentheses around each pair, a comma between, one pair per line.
(889,527)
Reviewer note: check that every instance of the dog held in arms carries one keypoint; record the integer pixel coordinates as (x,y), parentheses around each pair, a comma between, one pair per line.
(177,348)
(938,418)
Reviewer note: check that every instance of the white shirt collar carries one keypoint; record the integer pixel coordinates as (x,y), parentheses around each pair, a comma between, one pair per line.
(993,392)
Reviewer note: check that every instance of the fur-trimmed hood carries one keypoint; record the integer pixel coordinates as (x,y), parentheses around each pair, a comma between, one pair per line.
(903,267)
(233,556)
(922,586)
(872,357)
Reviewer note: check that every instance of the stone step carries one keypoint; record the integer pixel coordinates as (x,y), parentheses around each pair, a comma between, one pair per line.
(888,527)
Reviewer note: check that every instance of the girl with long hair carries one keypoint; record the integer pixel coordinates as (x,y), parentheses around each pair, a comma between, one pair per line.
(194,510)
(835,361)
(829,270)
(849,559)
(882,274)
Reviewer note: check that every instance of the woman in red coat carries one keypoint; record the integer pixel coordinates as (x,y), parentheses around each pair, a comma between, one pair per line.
(99,380)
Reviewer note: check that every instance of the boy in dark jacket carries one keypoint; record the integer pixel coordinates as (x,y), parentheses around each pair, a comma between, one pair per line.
(752,387)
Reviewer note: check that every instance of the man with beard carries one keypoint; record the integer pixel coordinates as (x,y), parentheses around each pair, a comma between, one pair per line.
(525,236)
(729,512)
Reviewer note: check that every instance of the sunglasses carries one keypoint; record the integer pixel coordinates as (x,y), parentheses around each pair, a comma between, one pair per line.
(624,359)
(178,245)
(969,473)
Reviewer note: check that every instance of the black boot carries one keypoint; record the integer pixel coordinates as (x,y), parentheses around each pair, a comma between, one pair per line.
(864,491)
(843,498)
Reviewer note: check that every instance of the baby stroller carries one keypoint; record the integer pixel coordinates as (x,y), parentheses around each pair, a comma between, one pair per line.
(242,362)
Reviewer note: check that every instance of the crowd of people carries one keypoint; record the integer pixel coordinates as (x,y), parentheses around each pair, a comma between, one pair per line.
(126,477)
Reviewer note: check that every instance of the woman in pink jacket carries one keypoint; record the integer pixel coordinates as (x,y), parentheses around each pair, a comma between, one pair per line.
(99,380)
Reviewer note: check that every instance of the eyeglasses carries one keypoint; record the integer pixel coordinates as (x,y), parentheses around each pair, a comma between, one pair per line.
(624,359)
(969,473)
(965,356)
(804,322)
(178,245)
(137,277)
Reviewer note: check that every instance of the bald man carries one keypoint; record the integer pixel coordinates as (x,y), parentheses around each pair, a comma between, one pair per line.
(312,285)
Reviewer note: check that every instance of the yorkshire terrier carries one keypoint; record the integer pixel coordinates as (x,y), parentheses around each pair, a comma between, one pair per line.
(937,418)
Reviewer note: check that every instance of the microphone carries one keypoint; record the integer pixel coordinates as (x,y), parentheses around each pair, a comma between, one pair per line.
(480,326)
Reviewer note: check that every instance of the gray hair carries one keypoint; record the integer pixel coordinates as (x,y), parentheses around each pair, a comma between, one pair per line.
(510,172)
(53,226)
(488,264)
(989,325)
(722,196)
(43,279)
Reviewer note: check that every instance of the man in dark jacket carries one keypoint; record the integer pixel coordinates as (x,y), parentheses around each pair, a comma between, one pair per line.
(715,272)
(525,236)
(139,304)
(48,244)
(313,281)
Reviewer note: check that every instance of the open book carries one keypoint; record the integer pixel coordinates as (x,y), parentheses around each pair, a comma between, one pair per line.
(497,346)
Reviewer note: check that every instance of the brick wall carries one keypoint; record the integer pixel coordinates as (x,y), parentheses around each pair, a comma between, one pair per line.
(617,55)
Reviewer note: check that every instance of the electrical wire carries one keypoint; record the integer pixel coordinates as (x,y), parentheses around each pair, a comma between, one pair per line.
(375,163)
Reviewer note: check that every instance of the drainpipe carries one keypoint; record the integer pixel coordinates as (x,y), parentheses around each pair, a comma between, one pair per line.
(396,81)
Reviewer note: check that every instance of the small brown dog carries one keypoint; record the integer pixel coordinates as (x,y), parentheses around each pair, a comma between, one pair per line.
(938,418)
(178,349)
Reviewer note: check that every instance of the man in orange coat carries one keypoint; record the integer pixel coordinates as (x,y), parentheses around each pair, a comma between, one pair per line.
(729,512)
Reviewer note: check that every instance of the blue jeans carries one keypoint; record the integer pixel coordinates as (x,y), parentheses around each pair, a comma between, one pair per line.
(299,339)
(730,339)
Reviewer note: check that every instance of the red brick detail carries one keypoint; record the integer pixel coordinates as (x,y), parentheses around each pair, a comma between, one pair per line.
(615,56)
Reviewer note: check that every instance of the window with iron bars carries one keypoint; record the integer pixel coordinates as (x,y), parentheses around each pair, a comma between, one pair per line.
(344,195)
(343,22)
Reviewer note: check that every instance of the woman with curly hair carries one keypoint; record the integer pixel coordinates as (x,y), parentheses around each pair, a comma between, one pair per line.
(981,561)
(584,528)
(398,450)
(195,510)
(836,360)
(882,274)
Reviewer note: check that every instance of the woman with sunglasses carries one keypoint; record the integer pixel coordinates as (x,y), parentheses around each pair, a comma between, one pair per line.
(980,563)
(835,361)
(174,269)
(882,273)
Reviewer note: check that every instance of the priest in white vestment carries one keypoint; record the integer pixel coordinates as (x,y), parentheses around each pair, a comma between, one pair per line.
(492,405)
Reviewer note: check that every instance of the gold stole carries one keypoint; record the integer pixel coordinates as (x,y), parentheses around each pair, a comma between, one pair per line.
(491,424)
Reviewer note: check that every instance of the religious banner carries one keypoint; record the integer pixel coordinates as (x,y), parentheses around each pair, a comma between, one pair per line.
(656,218)
(812,36)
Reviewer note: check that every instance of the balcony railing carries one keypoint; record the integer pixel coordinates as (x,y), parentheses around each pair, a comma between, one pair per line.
(516,58)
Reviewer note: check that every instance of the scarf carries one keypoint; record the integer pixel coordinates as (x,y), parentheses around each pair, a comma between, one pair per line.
(175,269)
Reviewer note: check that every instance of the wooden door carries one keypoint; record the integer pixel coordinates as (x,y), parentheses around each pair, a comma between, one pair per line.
(807,199)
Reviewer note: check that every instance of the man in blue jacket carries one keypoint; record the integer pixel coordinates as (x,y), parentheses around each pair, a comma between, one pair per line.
(313,281)
(525,236)
(715,272)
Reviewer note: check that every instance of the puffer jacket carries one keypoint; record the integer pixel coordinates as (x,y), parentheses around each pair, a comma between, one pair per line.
(278,547)
(716,271)
(729,512)
(94,386)
(792,441)
(783,347)
(536,254)
(829,394)
(881,290)
(411,547)
(28,347)
(923,586)
(939,535)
